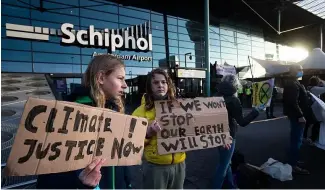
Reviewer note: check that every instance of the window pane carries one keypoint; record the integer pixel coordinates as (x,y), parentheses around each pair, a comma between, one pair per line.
(98,24)
(51,47)
(172,28)
(16,55)
(188,45)
(157,25)
(158,33)
(172,35)
(173,43)
(98,15)
(7,19)
(159,55)
(14,11)
(59,58)
(173,50)
(134,13)
(160,49)
(49,25)
(67,8)
(70,2)
(56,68)
(86,59)
(184,37)
(227,32)
(54,17)
(228,50)
(158,18)
(137,70)
(101,5)
(7,66)
(15,44)
(137,63)
(131,21)
(171,20)
(90,51)
(158,41)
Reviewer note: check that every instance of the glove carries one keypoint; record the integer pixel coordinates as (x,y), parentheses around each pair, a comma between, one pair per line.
(260,108)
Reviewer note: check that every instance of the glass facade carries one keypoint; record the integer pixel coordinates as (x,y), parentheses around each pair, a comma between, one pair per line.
(229,42)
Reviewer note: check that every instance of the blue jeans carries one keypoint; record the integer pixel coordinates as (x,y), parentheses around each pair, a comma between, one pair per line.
(296,135)
(224,170)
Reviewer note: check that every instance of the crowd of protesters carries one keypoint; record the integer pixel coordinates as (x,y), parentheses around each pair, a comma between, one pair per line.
(103,86)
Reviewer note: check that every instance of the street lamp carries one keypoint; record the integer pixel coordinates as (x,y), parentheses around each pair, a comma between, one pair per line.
(190,56)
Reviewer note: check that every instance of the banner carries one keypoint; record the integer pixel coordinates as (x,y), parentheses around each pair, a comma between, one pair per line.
(191,124)
(57,136)
(319,112)
(262,92)
(225,70)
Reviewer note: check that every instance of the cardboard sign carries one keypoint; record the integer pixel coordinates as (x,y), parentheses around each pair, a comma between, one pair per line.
(262,93)
(191,124)
(56,136)
(225,70)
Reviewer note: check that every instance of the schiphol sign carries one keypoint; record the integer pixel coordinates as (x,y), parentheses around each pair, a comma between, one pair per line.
(138,38)
(135,38)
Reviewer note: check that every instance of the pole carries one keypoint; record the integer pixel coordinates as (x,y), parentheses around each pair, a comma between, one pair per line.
(321,37)
(207,51)
(279,20)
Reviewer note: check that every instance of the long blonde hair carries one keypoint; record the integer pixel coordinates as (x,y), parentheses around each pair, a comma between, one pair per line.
(106,64)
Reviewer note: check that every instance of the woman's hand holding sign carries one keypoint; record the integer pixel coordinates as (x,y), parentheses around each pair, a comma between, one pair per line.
(153,128)
(91,175)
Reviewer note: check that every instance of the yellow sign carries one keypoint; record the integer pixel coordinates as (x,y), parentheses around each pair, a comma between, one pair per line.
(262,92)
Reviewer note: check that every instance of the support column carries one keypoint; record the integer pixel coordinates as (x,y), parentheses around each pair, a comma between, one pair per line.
(207,46)
(321,36)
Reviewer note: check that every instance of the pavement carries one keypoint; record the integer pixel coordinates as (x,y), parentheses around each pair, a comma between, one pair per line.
(260,140)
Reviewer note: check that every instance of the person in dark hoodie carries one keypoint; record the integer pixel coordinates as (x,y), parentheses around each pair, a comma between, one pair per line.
(103,86)
(228,89)
(295,106)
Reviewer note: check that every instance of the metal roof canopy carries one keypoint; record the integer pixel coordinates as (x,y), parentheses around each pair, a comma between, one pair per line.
(236,11)
(299,25)
(317,7)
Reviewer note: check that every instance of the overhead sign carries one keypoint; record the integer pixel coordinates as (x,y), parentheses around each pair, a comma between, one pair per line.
(190,73)
(262,93)
(191,124)
(127,57)
(57,136)
(136,37)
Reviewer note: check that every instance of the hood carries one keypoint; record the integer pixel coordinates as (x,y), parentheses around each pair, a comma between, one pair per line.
(80,91)
(226,89)
(83,96)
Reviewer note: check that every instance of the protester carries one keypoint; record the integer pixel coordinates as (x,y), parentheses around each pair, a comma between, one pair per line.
(103,86)
(228,88)
(160,171)
(295,107)
(269,110)
(315,87)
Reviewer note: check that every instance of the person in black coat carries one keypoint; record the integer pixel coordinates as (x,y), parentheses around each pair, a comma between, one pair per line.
(103,86)
(295,106)
(228,90)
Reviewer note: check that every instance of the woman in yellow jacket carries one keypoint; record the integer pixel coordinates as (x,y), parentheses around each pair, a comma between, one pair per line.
(160,171)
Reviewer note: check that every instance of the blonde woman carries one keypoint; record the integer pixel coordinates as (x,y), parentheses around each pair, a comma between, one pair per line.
(103,86)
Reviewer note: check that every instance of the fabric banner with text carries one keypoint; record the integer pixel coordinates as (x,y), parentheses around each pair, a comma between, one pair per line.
(57,136)
(192,124)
